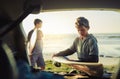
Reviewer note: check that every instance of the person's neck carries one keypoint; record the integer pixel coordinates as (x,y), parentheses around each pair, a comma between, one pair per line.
(36,28)
(83,37)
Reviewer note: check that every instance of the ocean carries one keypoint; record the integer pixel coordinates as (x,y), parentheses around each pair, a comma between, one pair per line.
(109,44)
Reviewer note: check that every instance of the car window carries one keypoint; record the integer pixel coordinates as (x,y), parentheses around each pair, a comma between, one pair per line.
(59,31)
(103,24)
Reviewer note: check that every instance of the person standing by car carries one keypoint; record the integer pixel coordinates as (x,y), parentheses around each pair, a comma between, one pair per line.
(35,51)
(85,45)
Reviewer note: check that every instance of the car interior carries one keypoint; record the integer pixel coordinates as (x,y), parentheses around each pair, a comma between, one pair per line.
(12,38)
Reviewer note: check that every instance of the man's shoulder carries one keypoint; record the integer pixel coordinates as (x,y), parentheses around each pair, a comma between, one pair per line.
(77,38)
(92,40)
(40,32)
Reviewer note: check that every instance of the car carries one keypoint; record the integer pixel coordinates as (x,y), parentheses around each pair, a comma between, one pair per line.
(12,38)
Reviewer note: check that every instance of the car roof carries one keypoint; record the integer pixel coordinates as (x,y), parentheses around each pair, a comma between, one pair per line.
(14,8)
(53,5)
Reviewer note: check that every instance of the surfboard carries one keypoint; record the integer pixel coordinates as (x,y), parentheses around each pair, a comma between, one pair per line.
(90,68)
(32,42)
(62,59)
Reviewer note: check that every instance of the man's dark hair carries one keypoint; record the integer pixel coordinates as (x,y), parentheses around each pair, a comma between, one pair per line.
(37,21)
(82,21)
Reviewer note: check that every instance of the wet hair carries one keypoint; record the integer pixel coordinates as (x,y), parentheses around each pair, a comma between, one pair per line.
(82,21)
(36,21)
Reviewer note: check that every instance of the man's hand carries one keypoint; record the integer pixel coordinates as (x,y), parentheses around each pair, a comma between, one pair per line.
(54,55)
(30,56)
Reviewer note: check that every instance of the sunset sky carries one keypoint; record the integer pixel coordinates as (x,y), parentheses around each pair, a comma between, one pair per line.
(62,22)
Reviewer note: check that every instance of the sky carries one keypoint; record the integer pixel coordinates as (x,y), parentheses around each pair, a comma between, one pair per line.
(63,22)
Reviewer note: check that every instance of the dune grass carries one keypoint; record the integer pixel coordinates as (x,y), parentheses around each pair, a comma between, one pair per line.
(52,68)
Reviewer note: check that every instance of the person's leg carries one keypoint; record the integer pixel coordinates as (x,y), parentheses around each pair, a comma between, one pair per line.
(42,67)
(33,59)
(41,62)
